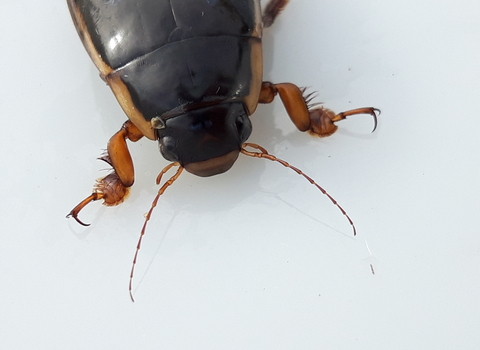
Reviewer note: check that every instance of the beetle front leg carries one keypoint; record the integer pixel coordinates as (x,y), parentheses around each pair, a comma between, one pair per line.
(114,187)
(317,121)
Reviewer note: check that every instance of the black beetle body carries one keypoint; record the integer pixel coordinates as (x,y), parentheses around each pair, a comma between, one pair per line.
(188,73)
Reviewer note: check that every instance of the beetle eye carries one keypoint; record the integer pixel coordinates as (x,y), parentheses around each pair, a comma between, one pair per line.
(239,123)
(168,148)
(244,127)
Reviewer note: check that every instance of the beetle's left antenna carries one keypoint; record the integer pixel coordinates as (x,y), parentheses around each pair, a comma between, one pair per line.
(162,189)
(264,154)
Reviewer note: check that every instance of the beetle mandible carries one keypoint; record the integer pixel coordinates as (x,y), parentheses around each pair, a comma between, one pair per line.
(188,74)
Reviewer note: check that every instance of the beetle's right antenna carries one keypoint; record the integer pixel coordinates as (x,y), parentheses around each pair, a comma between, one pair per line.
(162,189)
(264,154)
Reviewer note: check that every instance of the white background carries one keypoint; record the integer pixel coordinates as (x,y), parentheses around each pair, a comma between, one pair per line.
(255,258)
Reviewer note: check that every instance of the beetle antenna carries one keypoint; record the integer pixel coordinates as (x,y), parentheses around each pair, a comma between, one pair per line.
(162,189)
(264,154)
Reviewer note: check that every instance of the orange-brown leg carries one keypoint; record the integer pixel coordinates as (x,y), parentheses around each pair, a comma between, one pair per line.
(272,10)
(114,187)
(317,121)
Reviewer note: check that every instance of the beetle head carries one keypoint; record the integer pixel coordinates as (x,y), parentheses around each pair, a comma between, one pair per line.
(206,141)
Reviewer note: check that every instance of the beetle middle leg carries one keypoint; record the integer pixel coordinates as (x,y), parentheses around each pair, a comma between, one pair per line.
(114,187)
(272,10)
(318,121)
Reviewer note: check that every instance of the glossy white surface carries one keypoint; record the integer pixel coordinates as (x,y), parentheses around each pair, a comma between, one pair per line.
(255,258)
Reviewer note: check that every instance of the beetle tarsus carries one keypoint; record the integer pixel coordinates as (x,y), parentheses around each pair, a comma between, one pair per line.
(365,110)
(323,119)
(110,189)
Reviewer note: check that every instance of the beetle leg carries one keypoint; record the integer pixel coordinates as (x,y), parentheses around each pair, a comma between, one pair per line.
(114,187)
(317,121)
(272,10)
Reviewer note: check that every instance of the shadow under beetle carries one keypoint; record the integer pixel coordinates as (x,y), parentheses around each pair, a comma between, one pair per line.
(188,74)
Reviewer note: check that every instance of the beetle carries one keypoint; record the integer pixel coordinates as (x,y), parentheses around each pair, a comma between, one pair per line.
(188,74)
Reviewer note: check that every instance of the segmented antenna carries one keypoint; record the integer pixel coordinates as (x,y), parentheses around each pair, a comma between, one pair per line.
(264,154)
(162,189)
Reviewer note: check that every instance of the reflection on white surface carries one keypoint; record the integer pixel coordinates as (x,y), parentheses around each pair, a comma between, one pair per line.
(255,258)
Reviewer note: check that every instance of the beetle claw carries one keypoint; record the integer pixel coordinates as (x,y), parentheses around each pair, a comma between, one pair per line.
(81,205)
(373,113)
(73,215)
(365,110)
